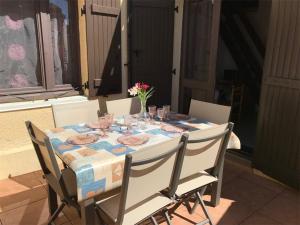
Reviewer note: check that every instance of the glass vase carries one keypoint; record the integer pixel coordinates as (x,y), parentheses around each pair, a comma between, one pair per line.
(143,112)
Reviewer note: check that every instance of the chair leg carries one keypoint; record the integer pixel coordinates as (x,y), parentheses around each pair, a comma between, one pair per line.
(153,220)
(166,214)
(204,208)
(56,213)
(202,190)
(173,209)
(187,205)
(99,216)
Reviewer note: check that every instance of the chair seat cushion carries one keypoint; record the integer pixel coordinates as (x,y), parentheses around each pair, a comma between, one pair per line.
(193,182)
(133,215)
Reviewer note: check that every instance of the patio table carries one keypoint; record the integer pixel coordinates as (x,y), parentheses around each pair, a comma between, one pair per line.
(99,166)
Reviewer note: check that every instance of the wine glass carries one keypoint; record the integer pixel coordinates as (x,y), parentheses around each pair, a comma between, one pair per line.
(152,111)
(160,113)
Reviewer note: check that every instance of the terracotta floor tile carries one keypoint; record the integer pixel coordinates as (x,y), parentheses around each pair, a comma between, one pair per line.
(285,208)
(266,183)
(10,187)
(232,171)
(228,212)
(182,214)
(29,180)
(70,213)
(39,175)
(249,193)
(67,223)
(76,222)
(22,198)
(247,199)
(259,219)
(34,214)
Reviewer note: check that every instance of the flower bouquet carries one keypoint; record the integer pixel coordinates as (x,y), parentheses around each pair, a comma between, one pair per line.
(144,92)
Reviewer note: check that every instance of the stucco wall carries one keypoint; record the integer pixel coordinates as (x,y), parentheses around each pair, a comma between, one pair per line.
(17,155)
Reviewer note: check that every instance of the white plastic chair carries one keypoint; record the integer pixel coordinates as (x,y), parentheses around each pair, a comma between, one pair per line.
(210,112)
(74,113)
(124,106)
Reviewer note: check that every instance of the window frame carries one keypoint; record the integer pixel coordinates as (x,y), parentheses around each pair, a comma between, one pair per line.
(48,88)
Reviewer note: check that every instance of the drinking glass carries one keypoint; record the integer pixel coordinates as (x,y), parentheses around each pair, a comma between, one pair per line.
(152,111)
(128,120)
(160,113)
(109,119)
(166,110)
(102,125)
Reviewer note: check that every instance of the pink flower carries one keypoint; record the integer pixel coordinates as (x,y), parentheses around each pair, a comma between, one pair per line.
(18,81)
(13,24)
(16,52)
(145,86)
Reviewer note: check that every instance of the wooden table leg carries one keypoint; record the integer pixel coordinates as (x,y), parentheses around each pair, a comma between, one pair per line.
(88,215)
(52,200)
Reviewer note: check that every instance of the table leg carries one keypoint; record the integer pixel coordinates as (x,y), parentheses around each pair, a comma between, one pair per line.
(52,200)
(216,187)
(88,215)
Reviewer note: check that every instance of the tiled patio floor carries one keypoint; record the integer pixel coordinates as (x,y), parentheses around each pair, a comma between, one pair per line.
(247,199)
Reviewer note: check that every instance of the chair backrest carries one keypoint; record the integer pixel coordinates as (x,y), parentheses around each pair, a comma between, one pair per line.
(45,155)
(124,106)
(77,112)
(148,171)
(214,113)
(205,149)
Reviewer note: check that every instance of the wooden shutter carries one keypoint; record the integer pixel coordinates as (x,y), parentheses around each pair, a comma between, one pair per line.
(104,46)
(277,151)
(200,35)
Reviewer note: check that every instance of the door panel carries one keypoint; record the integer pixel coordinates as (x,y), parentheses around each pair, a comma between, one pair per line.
(104,46)
(277,151)
(199,48)
(151,46)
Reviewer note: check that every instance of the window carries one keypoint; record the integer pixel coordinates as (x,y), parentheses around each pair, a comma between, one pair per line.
(38,49)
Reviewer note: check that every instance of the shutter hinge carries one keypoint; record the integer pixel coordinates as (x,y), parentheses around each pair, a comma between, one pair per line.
(176,9)
(85,85)
(174,71)
(83,10)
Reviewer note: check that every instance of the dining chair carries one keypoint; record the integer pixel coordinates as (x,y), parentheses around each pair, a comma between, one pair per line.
(205,151)
(60,182)
(74,113)
(214,113)
(146,173)
(124,106)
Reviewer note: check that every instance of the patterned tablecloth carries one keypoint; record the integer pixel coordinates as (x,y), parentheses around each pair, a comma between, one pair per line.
(99,166)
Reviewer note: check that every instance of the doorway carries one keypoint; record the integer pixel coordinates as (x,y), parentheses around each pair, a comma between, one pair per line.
(199,50)
(151,28)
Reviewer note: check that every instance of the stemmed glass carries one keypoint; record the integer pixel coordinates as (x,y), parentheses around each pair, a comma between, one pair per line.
(160,113)
(152,111)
